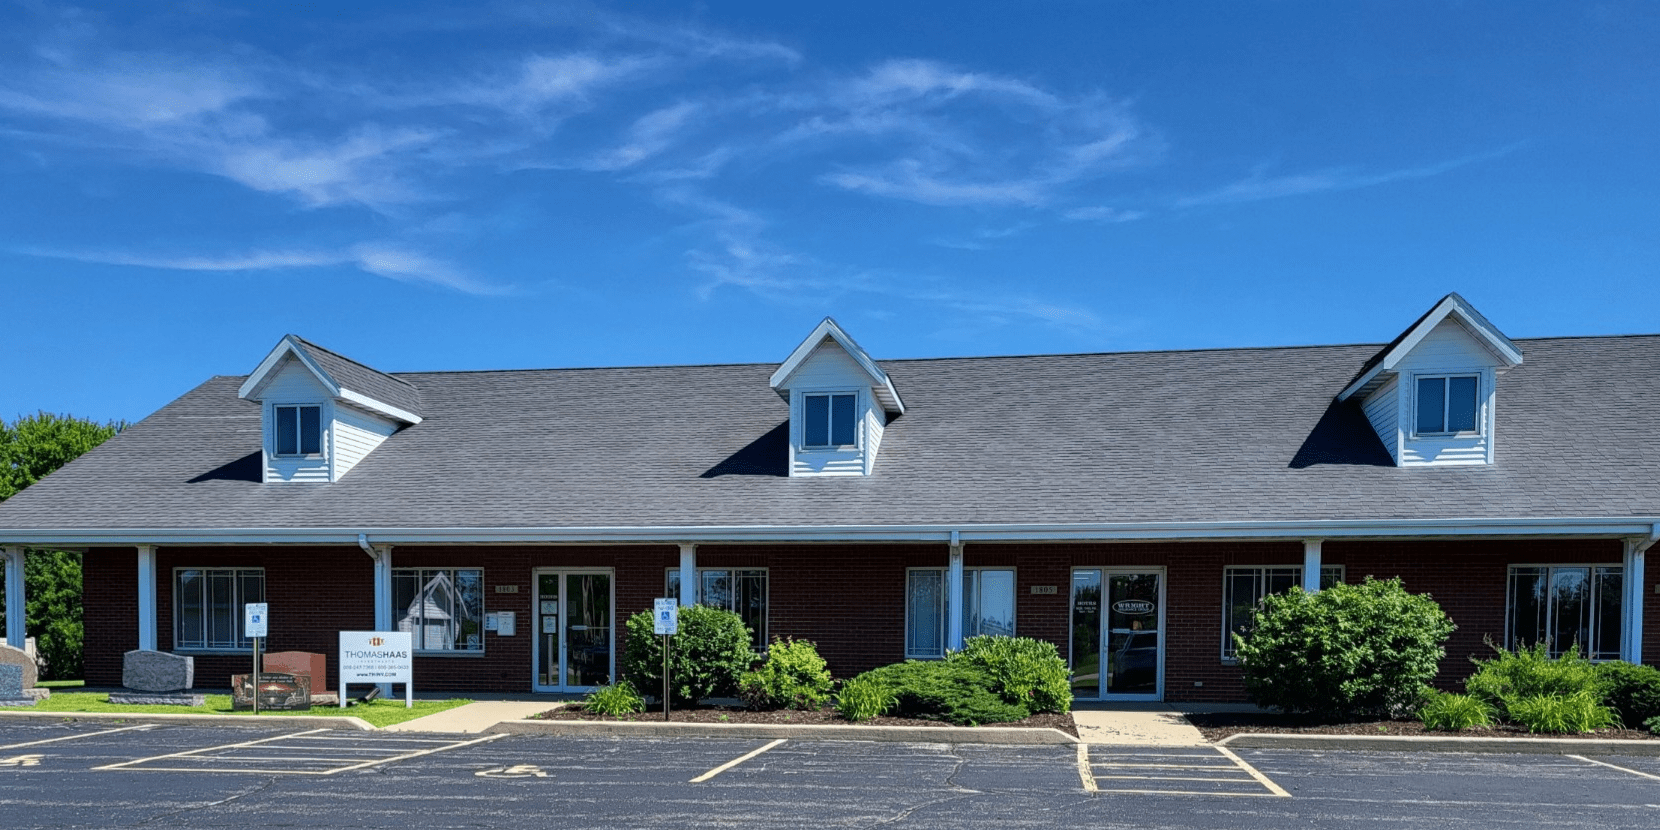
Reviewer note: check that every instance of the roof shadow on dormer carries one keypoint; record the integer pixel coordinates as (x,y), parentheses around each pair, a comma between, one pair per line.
(246,468)
(768,455)
(1342,436)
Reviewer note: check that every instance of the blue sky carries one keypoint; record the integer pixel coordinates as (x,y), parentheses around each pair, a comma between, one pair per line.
(429,186)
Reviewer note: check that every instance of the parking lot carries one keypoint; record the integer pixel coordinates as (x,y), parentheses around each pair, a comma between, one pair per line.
(89,775)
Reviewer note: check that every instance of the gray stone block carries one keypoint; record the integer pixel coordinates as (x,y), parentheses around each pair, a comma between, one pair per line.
(157,671)
(12,656)
(17,701)
(11,681)
(158,699)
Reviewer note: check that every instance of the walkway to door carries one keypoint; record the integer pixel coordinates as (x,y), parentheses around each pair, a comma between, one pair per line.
(1140,724)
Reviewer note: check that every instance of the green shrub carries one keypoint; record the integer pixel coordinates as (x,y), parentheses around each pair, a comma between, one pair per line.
(707,656)
(615,699)
(1346,651)
(1652,725)
(1531,672)
(953,691)
(793,677)
(1577,712)
(1454,712)
(1023,670)
(863,698)
(1632,691)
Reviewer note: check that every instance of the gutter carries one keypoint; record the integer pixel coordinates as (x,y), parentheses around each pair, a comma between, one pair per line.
(1653,536)
(1545,527)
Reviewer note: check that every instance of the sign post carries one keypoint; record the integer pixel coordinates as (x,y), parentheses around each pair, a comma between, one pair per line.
(254,624)
(665,621)
(378,657)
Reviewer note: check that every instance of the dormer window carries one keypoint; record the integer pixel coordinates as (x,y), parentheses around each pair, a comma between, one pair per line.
(1447,405)
(299,430)
(831,420)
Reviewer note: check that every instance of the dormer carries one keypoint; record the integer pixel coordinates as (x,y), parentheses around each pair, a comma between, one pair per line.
(840,404)
(323,413)
(1431,393)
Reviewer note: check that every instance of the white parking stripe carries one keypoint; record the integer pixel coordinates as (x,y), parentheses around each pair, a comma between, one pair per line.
(736,761)
(1272,787)
(1605,764)
(299,760)
(1229,771)
(78,737)
(199,751)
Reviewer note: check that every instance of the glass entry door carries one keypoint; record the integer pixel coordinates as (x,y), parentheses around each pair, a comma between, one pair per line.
(1117,627)
(575,637)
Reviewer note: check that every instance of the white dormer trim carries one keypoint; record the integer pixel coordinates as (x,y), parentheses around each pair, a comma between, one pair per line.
(1452,305)
(290,346)
(880,386)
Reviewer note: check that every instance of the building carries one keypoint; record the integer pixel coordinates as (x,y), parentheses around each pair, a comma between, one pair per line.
(1130,508)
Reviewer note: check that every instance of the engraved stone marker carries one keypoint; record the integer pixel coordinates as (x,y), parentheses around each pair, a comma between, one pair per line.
(157,671)
(277,691)
(302,663)
(13,656)
(11,687)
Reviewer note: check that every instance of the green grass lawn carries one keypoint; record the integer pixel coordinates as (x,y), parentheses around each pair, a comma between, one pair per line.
(378,712)
(61,684)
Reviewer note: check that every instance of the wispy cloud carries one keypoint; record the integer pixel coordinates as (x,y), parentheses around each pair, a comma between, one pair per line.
(650,135)
(1103,214)
(379,259)
(1260,186)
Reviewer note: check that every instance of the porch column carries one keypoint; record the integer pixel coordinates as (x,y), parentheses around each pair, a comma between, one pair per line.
(1311,565)
(147,598)
(688,575)
(16,634)
(1631,605)
(383,588)
(954,596)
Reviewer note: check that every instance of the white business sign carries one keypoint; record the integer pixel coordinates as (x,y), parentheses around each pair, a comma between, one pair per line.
(665,617)
(254,619)
(377,657)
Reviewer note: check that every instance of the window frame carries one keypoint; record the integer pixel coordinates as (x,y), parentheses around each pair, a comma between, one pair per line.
(299,431)
(1446,378)
(830,420)
(418,639)
(238,598)
(943,620)
(1593,617)
(1228,655)
(763,632)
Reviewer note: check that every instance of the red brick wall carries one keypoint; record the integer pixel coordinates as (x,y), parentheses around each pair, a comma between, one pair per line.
(849,599)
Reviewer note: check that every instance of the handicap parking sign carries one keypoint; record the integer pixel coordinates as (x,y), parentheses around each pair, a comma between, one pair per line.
(666,617)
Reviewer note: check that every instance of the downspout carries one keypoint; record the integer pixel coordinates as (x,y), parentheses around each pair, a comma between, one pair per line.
(1631,644)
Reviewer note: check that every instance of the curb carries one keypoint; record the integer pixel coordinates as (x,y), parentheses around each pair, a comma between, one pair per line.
(1413,743)
(1006,735)
(313,721)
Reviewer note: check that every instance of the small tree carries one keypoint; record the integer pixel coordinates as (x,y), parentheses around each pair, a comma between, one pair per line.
(708,656)
(1346,651)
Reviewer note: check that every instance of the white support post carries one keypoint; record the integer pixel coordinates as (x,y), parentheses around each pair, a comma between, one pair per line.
(1631,611)
(147,640)
(1311,565)
(954,596)
(689,586)
(16,634)
(383,604)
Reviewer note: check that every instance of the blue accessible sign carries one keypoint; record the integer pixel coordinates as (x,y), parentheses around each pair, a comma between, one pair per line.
(665,616)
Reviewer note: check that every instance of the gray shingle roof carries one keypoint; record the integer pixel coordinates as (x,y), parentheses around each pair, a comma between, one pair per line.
(360,378)
(1196,436)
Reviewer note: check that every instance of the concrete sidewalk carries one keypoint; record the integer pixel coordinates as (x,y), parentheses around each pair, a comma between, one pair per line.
(475,717)
(1140,724)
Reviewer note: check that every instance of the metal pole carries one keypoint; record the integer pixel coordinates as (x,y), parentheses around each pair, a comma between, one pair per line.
(253,688)
(665,678)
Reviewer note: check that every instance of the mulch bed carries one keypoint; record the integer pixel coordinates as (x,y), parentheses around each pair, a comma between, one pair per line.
(712,713)
(1218,726)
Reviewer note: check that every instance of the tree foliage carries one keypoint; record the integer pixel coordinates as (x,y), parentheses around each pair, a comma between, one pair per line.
(30,448)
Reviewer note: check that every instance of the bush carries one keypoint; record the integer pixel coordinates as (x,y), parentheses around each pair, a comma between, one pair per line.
(1346,651)
(1454,712)
(707,657)
(1652,725)
(1577,712)
(1023,670)
(953,691)
(615,699)
(793,677)
(1632,691)
(1531,672)
(863,698)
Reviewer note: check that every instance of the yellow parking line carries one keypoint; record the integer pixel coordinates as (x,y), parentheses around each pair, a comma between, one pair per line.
(1084,771)
(416,754)
(735,761)
(77,737)
(1272,787)
(205,749)
(1190,792)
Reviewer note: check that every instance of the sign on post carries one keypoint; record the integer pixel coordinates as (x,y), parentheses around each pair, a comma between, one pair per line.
(255,619)
(378,657)
(666,617)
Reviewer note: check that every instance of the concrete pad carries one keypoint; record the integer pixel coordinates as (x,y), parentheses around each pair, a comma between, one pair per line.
(475,717)
(1135,724)
(1427,743)
(1007,735)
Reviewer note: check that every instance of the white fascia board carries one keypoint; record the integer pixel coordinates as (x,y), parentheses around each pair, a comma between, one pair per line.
(1451,305)
(285,347)
(880,384)
(380,407)
(1554,527)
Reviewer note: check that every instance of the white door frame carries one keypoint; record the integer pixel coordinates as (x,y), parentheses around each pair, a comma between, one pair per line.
(536,625)
(1104,635)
